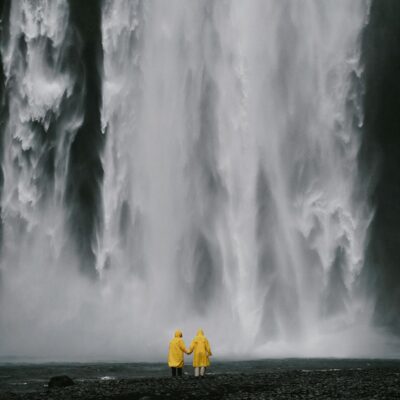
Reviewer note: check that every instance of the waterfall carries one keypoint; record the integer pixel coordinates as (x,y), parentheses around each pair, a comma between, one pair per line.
(43,117)
(227,194)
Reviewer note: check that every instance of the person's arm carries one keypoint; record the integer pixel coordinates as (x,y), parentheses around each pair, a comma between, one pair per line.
(191,348)
(183,347)
(208,348)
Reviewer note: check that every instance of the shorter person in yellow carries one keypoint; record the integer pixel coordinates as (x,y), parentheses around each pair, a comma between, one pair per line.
(175,354)
(202,351)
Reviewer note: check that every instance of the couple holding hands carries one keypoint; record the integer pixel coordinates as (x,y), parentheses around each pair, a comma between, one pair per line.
(199,346)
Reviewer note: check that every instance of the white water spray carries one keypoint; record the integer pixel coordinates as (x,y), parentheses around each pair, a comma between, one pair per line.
(230,181)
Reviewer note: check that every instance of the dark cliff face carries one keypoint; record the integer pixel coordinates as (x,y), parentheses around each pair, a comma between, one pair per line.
(380,157)
(4,16)
(86,171)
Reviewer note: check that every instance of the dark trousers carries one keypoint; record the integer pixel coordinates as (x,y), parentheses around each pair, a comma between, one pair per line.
(176,371)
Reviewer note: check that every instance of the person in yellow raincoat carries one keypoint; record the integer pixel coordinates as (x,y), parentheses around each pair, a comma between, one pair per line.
(175,354)
(202,351)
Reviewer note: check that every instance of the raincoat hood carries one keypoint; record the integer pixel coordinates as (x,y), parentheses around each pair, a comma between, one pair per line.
(200,332)
(178,333)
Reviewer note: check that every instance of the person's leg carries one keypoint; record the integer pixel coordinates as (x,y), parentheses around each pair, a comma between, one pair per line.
(196,371)
(179,370)
(202,371)
(173,370)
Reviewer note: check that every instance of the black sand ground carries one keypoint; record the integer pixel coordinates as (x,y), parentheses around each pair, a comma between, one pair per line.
(369,383)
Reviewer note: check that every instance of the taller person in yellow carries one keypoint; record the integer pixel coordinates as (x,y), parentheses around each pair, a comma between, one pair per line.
(175,354)
(202,351)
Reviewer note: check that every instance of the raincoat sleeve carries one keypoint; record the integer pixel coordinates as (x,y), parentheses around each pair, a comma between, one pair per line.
(183,347)
(191,348)
(208,348)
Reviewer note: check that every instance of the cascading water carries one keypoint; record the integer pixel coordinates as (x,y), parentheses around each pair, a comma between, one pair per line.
(36,140)
(230,191)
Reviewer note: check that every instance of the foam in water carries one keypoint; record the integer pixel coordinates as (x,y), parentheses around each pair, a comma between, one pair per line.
(230,195)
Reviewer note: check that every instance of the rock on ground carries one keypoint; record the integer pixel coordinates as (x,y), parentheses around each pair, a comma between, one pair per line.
(60,381)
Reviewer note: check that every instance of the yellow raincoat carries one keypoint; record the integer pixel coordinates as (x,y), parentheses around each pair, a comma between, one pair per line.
(176,350)
(201,349)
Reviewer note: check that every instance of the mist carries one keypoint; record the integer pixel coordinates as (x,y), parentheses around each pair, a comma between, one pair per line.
(193,165)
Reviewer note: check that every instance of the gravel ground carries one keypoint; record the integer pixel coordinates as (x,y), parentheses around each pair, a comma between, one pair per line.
(374,383)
